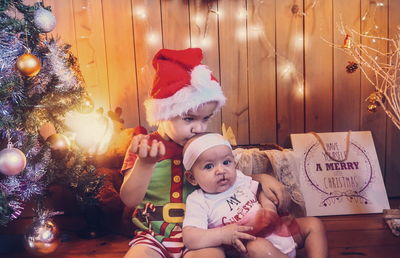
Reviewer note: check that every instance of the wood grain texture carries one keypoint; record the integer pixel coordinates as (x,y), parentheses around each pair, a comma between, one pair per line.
(88,15)
(248,46)
(346,97)
(290,76)
(377,26)
(121,65)
(392,175)
(318,61)
(233,61)
(261,71)
(65,27)
(175,24)
(348,236)
(204,34)
(146,16)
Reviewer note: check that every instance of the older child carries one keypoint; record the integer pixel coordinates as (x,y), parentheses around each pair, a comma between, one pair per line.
(184,97)
(226,205)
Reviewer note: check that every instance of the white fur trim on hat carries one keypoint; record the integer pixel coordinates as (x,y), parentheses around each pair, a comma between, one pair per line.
(202,90)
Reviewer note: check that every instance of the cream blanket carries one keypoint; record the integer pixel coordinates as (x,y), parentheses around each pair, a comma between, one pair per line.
(281,164)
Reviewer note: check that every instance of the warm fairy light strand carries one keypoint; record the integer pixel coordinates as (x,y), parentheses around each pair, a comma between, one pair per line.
(256,31)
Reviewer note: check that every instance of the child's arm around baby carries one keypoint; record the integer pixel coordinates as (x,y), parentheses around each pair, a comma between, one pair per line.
(274,191)
(137,179)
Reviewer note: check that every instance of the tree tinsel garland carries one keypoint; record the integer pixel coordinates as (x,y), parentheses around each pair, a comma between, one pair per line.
(25,27)
(27,103)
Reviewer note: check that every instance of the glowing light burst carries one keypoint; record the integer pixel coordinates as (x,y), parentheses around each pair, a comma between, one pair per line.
(92,131)
(140,12)
(152,38)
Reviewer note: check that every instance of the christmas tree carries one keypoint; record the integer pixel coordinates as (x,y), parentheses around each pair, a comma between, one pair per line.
(40,83)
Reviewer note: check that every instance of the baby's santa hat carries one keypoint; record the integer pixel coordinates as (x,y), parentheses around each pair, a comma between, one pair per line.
(181,83)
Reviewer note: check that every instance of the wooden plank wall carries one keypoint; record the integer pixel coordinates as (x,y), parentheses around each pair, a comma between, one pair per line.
(278,73)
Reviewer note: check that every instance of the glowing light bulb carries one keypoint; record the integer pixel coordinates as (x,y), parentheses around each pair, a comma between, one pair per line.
(298,41)
(93,131)
(380,4)
(241,34)
(152,38)
(201,42)
(255,31)
(199,19)
(242,14)
(300,90)
(140,12)
(287,68)
(220,14)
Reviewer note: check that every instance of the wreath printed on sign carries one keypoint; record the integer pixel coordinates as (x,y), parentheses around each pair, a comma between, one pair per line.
(340,178)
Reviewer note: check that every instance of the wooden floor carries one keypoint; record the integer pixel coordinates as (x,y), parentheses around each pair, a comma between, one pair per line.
(348,236)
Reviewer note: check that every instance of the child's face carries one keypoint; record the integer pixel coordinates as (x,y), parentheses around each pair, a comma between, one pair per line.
(181,128)
(214,171)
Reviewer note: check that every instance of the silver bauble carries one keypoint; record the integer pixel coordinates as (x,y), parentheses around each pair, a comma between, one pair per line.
(44,20)
(42,237)
(12,161)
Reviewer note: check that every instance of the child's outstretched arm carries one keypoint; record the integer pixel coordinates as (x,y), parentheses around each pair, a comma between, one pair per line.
(274,190)
(137,179)
(232,234)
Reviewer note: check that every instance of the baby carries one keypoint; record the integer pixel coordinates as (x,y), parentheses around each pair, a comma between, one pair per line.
(229,209)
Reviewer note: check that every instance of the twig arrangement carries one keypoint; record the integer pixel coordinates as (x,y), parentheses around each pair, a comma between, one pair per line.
(380,68)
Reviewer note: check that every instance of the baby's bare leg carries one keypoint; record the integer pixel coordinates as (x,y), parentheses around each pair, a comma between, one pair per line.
(216,252)
(313,237)
(141,251)
(263,248)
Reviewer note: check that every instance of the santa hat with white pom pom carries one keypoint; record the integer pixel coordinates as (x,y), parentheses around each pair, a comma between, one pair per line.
(181,83)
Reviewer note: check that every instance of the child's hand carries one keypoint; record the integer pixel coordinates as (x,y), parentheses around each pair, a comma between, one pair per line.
(148,152)
(233,233)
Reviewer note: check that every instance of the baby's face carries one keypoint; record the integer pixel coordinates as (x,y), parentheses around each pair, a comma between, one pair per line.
(214,171)
(181,128)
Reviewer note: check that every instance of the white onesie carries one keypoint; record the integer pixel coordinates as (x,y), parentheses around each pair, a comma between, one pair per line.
(205,210)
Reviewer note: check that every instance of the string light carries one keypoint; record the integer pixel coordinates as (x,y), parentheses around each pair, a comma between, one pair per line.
(140,12)
(298,41)
(199,20)
(300,90)
(220,14)
(287,70)
(241,33)
(201,42)
(382,76)
(255,31)
(152,38)
(242,14)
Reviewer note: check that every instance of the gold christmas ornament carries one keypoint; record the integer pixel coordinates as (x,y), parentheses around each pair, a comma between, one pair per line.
(374,98)
(42,237)
(28,64)
(58,142)
(372,108)
(347,41)
(12,161)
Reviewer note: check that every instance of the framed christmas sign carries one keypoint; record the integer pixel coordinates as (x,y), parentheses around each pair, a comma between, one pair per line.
(340,173)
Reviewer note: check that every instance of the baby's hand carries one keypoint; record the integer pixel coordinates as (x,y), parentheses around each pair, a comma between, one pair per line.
(232,235)
(147,152)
